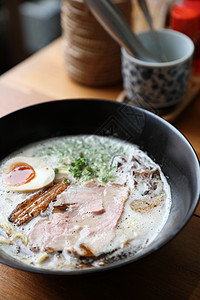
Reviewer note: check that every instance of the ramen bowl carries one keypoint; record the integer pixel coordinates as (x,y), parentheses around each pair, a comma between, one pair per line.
(159,139)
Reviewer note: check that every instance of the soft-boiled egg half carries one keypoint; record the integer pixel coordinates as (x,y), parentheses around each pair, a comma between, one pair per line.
(26,174)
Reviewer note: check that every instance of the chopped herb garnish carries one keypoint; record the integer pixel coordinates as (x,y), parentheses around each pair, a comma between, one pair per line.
(67,181)
(85,157)
(78,166)
(56,170)
(104,179)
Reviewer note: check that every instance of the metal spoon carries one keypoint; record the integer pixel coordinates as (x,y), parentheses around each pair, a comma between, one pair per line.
(110,17)
(145,10)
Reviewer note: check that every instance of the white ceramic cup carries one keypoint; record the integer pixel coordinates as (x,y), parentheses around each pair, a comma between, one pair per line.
(159,86)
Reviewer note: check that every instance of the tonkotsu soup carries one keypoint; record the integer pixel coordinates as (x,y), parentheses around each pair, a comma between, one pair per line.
(79,202)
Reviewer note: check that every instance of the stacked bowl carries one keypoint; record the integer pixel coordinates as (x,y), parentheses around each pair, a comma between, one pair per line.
(92,57)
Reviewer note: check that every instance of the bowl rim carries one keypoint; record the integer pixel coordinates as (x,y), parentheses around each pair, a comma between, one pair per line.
(21,266)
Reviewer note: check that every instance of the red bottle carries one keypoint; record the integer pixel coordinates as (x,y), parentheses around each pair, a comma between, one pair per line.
(185,18)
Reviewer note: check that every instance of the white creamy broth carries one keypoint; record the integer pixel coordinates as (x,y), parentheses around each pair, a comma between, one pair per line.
(118,172)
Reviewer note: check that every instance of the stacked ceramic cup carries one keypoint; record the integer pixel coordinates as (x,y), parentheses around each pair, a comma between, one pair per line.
(92,57)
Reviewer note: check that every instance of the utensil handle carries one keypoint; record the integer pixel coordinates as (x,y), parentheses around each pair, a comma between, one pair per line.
(143,5)
(116,25)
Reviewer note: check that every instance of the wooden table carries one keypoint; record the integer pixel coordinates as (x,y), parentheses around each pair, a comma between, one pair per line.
(173,272)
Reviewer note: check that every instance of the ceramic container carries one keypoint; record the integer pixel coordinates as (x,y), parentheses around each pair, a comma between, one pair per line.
(159,86)
(158,138)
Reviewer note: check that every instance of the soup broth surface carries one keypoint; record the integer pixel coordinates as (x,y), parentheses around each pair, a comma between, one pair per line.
(115,203)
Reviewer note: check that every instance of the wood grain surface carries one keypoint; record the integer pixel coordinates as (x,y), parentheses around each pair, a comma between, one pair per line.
(172,272)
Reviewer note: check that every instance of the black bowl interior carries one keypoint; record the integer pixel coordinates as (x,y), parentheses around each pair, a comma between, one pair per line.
(166,145)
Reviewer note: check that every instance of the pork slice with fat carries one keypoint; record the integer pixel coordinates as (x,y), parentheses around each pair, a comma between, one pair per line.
(101,229)
(89,199)
(88,225)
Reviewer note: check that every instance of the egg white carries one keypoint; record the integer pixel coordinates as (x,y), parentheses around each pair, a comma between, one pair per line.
(44,175)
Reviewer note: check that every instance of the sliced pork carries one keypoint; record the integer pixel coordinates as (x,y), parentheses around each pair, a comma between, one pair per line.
(88,199)
(88,224)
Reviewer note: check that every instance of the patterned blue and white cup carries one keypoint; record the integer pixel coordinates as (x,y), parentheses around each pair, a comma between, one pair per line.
(159,86)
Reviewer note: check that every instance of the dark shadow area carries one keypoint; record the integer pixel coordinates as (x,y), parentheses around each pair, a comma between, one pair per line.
(25,28)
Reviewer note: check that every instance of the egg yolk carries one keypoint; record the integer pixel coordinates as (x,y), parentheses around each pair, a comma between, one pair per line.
(19,173)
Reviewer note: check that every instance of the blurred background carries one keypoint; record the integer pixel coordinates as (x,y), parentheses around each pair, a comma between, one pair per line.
(26,27)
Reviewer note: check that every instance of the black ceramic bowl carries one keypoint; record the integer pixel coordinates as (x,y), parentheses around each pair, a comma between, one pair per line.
(165,144)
